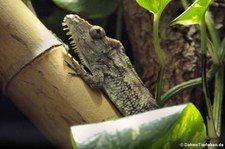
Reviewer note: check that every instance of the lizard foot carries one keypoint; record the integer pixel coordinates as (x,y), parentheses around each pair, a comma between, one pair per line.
(78,69)
(73,67)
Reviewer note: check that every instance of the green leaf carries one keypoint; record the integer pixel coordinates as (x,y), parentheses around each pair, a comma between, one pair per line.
(188,128)
(193,14)
(154,6)
(163,128)
(92,9)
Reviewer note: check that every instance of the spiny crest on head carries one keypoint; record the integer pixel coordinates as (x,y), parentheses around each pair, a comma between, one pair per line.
(72,42)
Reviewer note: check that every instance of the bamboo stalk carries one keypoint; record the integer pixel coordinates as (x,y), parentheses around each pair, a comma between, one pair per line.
(34,76)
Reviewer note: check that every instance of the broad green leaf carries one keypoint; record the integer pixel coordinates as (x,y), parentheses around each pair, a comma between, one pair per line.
(193,14)
(154,6)
(92,9)
(163,128)
(188,128)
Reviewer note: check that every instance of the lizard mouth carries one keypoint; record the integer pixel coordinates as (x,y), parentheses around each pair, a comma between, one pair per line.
(71,33)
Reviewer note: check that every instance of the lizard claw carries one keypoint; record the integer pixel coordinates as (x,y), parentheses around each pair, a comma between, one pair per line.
(69,65)
(72,66)
(77,69)
(73,74)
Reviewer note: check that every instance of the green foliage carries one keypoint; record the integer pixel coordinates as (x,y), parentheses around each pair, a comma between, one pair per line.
(156,7)
(163,128)
(194,14)
(189,128)
(153,6)
(92,9)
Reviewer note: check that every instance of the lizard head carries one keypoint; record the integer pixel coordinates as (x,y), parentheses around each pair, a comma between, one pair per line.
(89,41)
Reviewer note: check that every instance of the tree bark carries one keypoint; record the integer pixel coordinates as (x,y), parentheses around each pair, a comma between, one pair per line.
(34,76)
(181,46)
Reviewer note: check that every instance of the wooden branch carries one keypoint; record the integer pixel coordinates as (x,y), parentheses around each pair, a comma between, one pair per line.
(35,77)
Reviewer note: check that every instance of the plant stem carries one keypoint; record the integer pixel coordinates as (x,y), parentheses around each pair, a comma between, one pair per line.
(212,31)
(184,4)
(203,55)
(219,77)
(160,56)
(210,119)
(218,98)
(214,37)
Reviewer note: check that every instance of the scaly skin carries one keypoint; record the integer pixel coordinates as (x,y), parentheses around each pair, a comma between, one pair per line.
(109,69)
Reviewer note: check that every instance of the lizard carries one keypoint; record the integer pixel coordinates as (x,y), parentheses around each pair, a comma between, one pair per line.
(108,67)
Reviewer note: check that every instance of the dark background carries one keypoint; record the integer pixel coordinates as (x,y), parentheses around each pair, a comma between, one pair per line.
(16,131)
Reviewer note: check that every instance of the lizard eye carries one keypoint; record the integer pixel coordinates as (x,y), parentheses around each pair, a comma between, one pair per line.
(97,32)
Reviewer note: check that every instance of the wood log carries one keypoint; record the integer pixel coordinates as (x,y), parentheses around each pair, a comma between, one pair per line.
(35,77)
